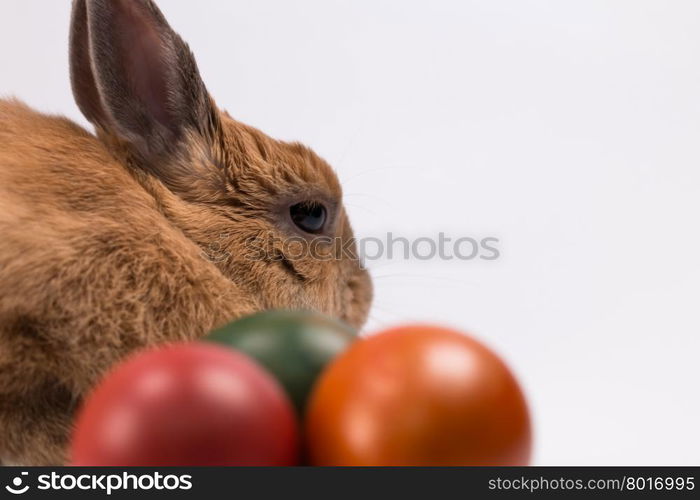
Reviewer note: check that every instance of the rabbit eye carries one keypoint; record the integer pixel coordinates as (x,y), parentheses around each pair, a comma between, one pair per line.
(309,216)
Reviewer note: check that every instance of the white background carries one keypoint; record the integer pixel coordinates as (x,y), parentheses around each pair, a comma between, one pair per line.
(568,129)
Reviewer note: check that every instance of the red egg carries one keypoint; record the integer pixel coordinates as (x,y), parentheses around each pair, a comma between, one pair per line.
(418,395)
(186,405)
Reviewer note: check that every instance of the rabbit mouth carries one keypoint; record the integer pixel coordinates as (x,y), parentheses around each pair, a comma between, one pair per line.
(358,296)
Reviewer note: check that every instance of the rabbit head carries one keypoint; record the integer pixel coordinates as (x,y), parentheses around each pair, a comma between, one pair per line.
(267,213)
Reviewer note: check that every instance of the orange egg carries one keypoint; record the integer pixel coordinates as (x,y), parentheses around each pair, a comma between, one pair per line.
(418,395)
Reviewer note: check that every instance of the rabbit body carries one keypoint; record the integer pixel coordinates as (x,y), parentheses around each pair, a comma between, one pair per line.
(91,269)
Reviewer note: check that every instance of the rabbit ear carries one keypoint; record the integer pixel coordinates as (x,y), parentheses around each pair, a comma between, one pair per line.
(134,77)
(81,75)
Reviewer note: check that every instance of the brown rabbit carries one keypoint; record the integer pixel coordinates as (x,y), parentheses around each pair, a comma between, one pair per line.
(150,231)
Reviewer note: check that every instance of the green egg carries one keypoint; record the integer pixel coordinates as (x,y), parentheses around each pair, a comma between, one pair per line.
(294,346)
